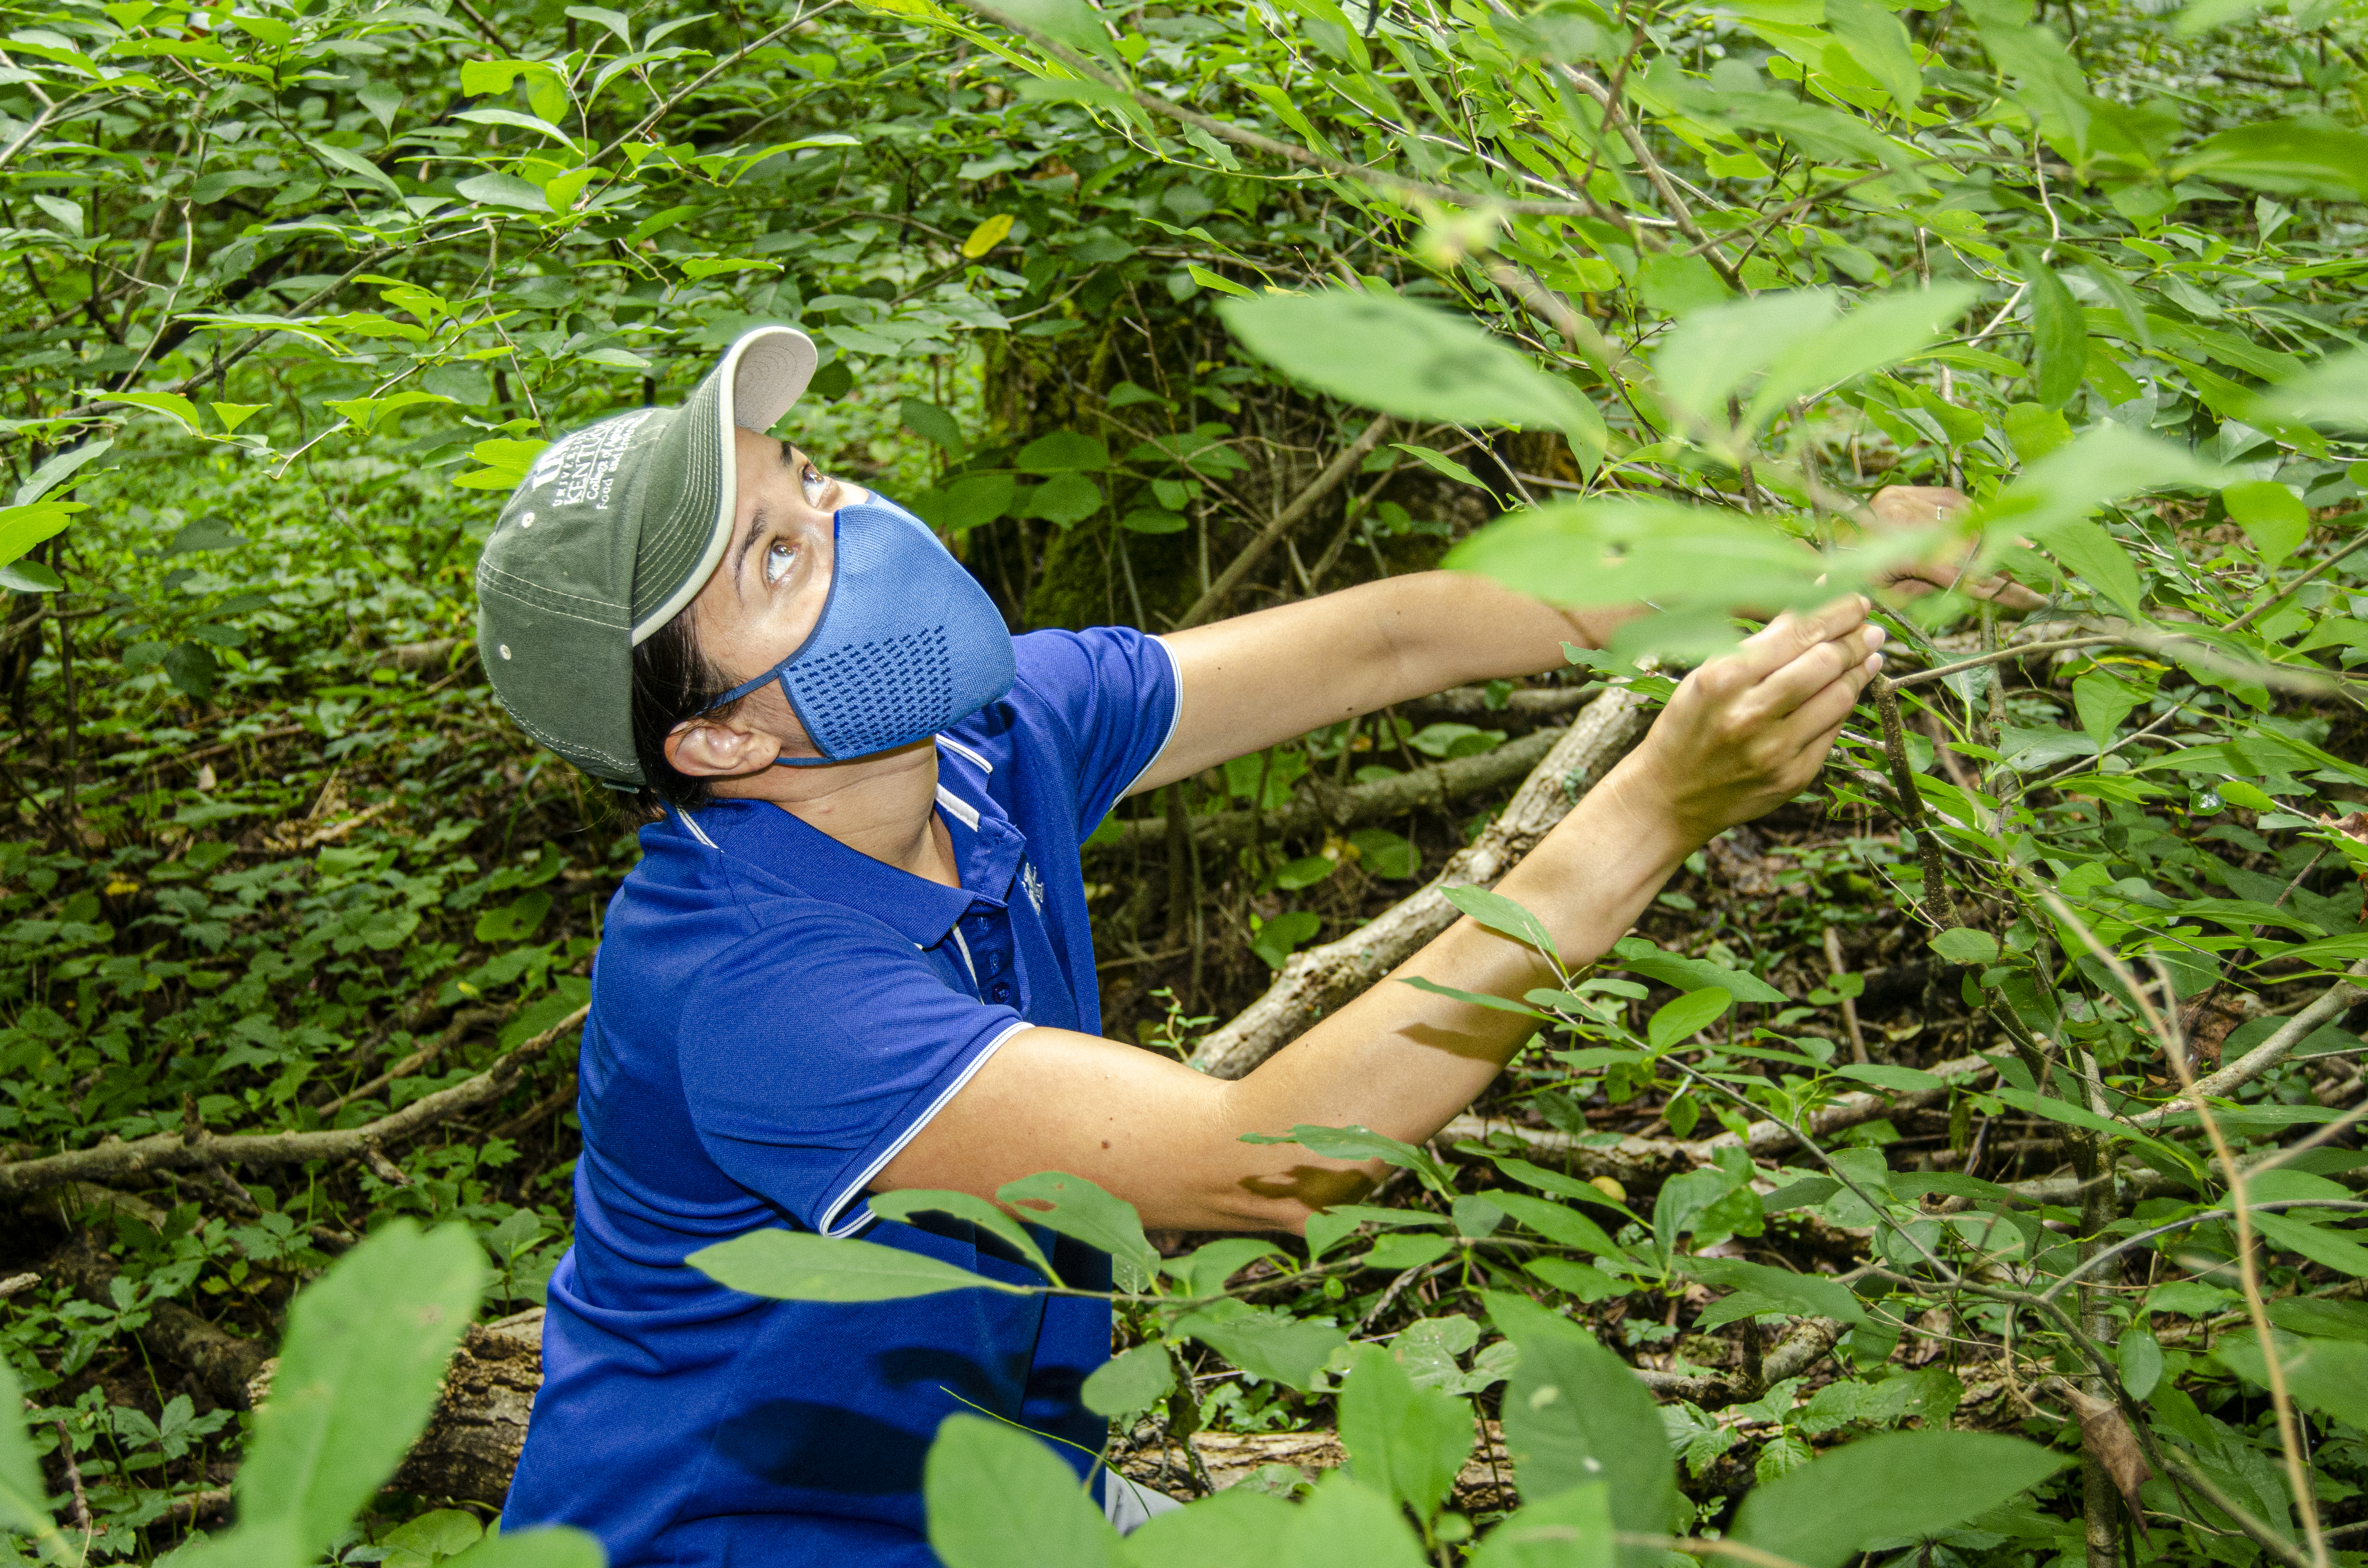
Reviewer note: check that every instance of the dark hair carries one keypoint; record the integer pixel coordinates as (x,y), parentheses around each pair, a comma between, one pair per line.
(672,681)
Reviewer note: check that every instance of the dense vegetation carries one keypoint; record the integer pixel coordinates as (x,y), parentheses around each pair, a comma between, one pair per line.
(1867,1151)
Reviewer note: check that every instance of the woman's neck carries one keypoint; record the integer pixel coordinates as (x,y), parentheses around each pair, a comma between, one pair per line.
(883,806)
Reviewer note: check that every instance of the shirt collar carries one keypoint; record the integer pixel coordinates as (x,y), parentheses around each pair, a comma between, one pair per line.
(988,850)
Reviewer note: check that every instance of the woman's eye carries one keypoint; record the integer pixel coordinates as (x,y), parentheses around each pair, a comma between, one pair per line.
(779,558)
(815,484)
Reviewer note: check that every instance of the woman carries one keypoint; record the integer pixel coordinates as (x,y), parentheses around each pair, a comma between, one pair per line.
(855,956)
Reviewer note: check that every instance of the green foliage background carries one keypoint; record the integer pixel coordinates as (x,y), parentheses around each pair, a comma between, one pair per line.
(291,293)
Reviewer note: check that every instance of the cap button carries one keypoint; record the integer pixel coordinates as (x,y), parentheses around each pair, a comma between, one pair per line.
(505,649)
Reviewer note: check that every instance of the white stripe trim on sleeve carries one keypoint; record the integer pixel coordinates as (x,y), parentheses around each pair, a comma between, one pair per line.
(853,1192)
(1174,717)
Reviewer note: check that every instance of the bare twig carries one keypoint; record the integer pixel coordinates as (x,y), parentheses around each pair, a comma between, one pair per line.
(1323,484)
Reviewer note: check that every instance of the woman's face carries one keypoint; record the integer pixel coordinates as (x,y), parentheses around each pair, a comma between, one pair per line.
(769,589)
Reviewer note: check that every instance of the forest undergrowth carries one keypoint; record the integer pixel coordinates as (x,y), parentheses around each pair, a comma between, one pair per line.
(1958,1166)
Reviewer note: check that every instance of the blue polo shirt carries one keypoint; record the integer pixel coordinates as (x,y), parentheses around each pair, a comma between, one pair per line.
(774,1015)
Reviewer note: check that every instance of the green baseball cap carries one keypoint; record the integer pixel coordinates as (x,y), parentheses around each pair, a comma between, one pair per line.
(615,530)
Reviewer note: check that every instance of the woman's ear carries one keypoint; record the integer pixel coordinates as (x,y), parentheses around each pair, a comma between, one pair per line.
(705,748)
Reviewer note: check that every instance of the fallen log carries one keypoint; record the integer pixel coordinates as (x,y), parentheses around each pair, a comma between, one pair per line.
(1322,804)
(112,1159)
(1313,983)
(471,1448)
(222,1362)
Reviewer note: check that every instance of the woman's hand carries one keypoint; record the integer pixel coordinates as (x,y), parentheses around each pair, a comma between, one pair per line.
(1921,505)
(1749,731)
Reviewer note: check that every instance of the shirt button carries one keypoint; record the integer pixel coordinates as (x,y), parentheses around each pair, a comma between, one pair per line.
(995,963)
(1000,993)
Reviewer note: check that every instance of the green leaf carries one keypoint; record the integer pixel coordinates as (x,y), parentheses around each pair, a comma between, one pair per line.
(1305,872)
(1563,1225)
(967,503)
(1639,954)
(1680,1020)
(1386,855)
(1879,333)
(1884,1076)
(1679,284)
(358,1376)
(795,1265)
(2273,517)
(59,472)
(932,422)
(1381,351)
(1239,1525)
(1617,551)
(1583,1280)
(2059,332)
(511,116)
(1404,1441)
(2328,1375)
(1505,918)
(1344,1526)
(2139,1355)
(2329,1248)
(550,1546)
(1129,1383)
(1805,1295)
(1574,1415)
(1569,1530)
(903,1205)
(172,404)
(1438,462)
(23,1497)
(21,527)
(1082,1211)
(1901,1483)
(1967,945)
(1877,41)
(2288,156)
(2103,464)
(610,19)
(355,163)
(1064,451)
(503,190)
(1475,998)
(999,1498)
(1363,1143)
(1072,22)
(2103,701)
(2098,556)
(1264,1342)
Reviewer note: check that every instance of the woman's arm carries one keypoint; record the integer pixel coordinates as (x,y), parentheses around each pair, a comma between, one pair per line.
(1259,679)
(1742,734)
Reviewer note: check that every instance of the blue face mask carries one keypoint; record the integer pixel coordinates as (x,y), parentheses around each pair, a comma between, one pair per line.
(908,642)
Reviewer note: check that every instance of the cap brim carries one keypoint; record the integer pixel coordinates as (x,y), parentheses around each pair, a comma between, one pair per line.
(759,379)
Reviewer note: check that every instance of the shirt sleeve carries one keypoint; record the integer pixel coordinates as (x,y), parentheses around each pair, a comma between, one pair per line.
(1111,695)
(816,1055)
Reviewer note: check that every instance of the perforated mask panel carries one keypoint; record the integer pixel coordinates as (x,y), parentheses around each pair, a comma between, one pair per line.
(871,695)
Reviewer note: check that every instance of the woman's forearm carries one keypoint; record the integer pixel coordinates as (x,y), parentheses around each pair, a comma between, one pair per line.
(1402,1060)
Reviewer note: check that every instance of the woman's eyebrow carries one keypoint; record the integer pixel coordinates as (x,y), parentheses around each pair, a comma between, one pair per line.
(740,558)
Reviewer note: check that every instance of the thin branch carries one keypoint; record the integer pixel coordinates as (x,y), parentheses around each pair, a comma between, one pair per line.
(1323,484)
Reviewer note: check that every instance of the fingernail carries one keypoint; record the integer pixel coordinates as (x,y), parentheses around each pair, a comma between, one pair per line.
(1876,637)
(1874,664)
